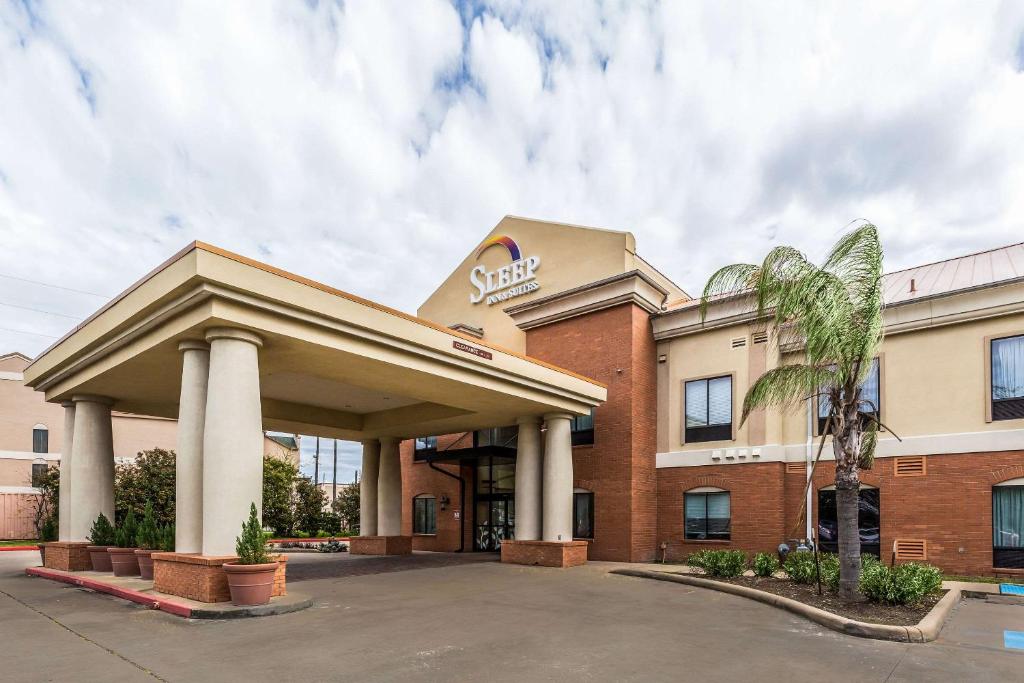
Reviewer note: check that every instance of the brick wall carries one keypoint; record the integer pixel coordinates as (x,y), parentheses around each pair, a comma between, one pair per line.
(950,507)
(419,478)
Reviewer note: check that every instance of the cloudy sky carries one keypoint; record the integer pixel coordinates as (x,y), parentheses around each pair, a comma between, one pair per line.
(371,144)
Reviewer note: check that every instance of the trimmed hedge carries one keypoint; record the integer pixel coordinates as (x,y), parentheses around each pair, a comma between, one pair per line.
(904,584)
(724,563)
(765,564)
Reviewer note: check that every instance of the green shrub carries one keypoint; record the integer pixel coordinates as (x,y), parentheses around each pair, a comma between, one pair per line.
(251,546)
(49,530)
(765,564)
(829,563)
(166,536)
(148,536)
(102,532)
(301,534)
(904,584)
(322,534)
(124,537)
(725,563)
(799,567)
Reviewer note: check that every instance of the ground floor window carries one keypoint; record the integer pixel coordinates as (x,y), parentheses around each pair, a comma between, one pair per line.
(424,515)
(1008,526)
(868,521)
(583,514)
(38,473)
(708,514)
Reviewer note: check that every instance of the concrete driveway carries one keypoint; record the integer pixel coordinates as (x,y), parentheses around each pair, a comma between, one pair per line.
(476,621)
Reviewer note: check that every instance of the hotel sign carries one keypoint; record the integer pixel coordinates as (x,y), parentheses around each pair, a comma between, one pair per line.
(516,279)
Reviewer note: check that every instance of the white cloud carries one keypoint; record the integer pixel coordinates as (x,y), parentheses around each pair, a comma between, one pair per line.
(350,142)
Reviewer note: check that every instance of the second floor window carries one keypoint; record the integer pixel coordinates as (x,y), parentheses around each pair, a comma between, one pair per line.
(40,439)
(870,398)
(583,429)
(1008,378)
(708,409)
(425,446)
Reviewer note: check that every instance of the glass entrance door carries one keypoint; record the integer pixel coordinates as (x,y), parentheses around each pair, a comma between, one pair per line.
(494,502)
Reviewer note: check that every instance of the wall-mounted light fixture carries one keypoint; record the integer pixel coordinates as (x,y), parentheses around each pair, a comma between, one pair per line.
(444,501)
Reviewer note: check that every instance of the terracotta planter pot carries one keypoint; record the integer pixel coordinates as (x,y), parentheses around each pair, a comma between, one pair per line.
(100,558)
(145,563)
(42,555)
(250,584)
(124,560)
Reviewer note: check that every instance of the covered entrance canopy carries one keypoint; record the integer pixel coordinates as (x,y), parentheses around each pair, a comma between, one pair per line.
(231,346)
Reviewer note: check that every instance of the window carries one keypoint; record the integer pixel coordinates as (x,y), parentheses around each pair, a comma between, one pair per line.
(1008,525)
(583,514)
(38,472)
(708,514)
(424,514)
(425,447)
(40,439)
(583,429)
(708,409)
(869,518)
(871,401)
(1008,378)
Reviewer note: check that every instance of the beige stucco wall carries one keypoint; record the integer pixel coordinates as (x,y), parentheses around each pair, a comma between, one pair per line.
(933,381)
(570,255)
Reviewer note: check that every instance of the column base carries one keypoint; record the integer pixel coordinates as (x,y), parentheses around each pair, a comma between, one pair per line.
(202,577)
(68,556)
(545,553)
(380,545)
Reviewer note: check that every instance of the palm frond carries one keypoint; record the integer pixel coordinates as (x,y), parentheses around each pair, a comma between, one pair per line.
(785,387)
(728,280)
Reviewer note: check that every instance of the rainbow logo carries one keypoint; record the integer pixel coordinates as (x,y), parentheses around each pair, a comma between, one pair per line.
(505,241)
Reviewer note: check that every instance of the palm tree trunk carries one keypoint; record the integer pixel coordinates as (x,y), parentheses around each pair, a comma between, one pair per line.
(847,512)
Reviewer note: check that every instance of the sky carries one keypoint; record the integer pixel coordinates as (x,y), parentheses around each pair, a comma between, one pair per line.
(371,145)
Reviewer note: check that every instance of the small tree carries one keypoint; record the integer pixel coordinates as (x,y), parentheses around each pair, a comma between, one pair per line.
(346,506)
(147,479)
(278,479)
(310,501)
(167,538)
(102,532)
(124,537)
(251,546)
(148,536)
(46,510)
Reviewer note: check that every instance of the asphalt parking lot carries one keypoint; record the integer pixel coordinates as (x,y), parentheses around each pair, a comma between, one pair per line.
(446,619)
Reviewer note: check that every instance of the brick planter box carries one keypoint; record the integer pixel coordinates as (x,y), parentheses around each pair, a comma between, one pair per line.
(68,556)
(380,545)
(201,577)
(545,553)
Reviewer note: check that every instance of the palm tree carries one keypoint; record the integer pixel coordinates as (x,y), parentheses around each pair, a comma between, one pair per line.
(834,312)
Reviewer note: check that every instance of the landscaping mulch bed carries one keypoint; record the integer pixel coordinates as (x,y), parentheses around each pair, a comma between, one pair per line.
(895,615)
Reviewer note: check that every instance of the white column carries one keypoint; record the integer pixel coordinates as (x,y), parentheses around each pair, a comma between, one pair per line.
(232,438)
(389,489)
(368,488)
(64,505)
(92,465)
(188,483)
(557,523)
(528,480)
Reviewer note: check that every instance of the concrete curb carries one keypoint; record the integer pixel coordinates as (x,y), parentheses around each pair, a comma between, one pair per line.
(283,604)
(16,548)
(926,630)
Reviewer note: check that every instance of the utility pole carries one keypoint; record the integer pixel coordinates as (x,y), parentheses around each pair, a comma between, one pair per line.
(316,464)
(334,483)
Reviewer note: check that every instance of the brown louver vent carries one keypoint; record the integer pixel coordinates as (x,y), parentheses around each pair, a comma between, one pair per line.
(910,549)
(739,342)
(796,468)
(760,337)
(910,466)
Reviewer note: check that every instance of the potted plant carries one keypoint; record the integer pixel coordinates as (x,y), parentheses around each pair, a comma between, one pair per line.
(251,577)
(102,537)
(147,539)
(122,556)
(167,539)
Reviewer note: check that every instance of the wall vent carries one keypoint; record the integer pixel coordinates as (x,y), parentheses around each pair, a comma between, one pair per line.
(910,466)
(796,468)
(910,549)
(739,342)
(760,337)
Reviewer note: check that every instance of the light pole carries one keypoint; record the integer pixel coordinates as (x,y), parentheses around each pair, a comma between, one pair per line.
(334,482)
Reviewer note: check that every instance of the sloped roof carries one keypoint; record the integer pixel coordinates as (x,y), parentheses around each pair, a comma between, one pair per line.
(957,274)
(286,441)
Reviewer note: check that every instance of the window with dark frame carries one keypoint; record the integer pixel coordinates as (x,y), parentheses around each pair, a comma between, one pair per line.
(583,515)
(38,472)
(869,521)
(424,447)
(1007,378)
(424,515)
(583,429)
(708,515)
(1008,527)
(871,398)
(708,409)
(40,440)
